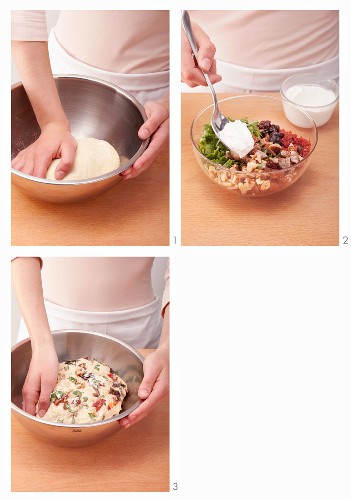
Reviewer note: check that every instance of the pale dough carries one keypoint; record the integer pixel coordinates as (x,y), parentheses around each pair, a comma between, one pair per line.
(86,391)
(94,157)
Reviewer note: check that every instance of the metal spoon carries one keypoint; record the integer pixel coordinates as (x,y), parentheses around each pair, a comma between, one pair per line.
(218,121)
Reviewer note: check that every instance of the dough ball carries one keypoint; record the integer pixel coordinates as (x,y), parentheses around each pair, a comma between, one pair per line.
(94,157)
(86,391)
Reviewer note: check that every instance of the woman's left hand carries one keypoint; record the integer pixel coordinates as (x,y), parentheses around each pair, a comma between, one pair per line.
(157,128)
(153,388)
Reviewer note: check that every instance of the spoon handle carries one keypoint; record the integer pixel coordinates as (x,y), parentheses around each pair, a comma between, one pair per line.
(190,36)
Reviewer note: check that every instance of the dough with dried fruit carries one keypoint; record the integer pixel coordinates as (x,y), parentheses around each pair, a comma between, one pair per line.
(86,391)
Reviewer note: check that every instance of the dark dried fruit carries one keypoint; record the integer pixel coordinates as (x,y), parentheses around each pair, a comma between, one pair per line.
(264,124)
(272,130)
(115,392)
(274,149)
(275,137)
(271,164)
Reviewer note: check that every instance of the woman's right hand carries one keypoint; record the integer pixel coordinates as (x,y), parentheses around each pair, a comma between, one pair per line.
(55,141)
(41,379)
(191,74)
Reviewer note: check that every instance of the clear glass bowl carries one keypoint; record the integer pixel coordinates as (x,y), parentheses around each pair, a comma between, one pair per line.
(254,107)
(321,114)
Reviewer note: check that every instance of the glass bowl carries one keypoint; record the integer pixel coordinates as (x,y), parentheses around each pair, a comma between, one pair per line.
(321,114)
(254,107)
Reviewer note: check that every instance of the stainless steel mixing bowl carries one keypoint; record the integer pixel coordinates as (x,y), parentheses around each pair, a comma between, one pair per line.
(73,344)
(95,109)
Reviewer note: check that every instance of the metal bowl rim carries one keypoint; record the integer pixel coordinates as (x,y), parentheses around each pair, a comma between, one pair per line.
(88,425)
(103,177)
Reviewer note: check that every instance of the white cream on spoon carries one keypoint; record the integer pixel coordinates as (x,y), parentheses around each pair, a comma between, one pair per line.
(237,137)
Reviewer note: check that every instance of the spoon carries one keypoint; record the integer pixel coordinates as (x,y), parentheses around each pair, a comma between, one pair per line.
(218,121)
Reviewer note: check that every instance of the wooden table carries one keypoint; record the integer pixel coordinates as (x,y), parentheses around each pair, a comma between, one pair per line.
(134,212)
(304,214)
(136,459)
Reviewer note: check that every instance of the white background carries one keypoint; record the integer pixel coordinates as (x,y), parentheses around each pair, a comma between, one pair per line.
(260,357)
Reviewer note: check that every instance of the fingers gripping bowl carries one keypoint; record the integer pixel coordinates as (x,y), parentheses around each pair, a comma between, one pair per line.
(94,109)
(258,108)
(74,344)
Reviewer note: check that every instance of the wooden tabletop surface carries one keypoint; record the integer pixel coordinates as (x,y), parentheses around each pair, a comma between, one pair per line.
(134,212)
(306,213)
(136,459)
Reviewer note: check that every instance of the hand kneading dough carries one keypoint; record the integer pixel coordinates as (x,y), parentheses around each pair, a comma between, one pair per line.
(86,391)
(93,158)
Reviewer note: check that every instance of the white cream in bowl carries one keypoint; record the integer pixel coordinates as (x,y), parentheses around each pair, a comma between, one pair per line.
(319,102)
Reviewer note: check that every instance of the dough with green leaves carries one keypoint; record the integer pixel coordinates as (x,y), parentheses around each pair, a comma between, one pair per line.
(86,391)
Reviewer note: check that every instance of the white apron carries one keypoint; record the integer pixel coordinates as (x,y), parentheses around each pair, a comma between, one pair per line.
(139,327)
(239,79)
(144,87)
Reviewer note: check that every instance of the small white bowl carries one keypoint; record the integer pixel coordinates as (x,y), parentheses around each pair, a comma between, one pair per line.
(320,113)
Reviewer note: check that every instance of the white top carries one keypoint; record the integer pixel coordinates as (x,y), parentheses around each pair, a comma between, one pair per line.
(100,283)
(272,39)
(120,41)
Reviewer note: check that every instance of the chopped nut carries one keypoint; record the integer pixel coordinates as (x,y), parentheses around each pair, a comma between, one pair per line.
(251,165)
(265,185)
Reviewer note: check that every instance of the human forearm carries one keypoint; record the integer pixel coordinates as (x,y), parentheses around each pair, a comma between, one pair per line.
(55,140)
(42,373)
(164,101)
(26,278)
(156,127)
(164,338)
(155,384)
(32,60)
